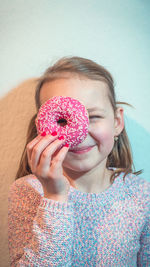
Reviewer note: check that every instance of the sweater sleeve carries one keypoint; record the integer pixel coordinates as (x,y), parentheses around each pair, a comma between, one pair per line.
(40,230)
(143,258)
(143,193)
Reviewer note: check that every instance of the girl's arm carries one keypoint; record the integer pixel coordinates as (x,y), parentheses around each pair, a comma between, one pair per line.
(40,230)
(143,258)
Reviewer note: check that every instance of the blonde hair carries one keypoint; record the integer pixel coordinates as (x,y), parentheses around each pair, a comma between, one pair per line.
(120,157)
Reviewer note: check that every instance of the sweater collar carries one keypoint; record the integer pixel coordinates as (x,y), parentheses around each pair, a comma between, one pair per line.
(108,194)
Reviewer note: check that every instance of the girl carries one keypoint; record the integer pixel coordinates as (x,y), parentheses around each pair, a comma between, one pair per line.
(86,206)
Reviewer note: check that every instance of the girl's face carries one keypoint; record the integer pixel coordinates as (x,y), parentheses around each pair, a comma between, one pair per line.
(103,124)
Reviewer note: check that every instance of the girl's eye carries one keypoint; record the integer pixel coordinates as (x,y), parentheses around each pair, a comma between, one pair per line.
(93,117)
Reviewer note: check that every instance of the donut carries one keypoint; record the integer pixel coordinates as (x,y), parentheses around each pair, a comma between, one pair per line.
(65,115)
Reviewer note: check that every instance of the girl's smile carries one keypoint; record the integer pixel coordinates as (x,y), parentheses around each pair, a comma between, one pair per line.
(81,150)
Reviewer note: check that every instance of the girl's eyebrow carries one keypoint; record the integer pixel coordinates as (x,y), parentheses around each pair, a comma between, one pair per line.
(95,109)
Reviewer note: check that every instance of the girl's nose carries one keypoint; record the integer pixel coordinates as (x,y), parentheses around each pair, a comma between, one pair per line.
(91,131)
(90,128)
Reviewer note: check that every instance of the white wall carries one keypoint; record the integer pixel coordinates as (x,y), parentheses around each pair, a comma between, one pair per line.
(116,34)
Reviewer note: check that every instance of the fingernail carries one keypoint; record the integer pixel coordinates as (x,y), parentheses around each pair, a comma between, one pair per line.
(54,133)
(43,134)
(61,137)
(67,145)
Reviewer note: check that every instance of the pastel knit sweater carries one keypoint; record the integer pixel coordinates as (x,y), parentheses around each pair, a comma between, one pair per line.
(111,228)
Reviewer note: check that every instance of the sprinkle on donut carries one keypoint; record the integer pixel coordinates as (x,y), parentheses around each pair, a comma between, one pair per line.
(65,115)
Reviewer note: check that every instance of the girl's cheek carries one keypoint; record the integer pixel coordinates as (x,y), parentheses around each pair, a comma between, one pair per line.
(103,135)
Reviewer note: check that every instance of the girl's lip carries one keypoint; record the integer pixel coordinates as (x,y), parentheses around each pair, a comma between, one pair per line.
(82,150)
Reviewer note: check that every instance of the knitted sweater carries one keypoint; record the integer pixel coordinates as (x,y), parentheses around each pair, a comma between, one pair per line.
(111,228)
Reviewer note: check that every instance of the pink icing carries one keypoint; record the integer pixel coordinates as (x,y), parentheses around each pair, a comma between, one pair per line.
(74,114)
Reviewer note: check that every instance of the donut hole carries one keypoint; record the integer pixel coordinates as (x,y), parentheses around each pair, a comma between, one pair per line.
(62,122)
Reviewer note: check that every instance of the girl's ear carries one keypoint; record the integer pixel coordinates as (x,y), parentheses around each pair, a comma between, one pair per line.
(119,121)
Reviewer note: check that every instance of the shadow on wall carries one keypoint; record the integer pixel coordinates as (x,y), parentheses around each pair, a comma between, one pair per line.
(140,144)
(16,110)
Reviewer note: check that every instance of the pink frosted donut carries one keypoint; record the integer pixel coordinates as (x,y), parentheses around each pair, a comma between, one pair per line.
(65,115)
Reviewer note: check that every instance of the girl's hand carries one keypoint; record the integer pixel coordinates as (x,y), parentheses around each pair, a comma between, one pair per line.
(45,160)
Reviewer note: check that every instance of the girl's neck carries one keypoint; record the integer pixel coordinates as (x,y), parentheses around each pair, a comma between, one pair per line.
(93,181)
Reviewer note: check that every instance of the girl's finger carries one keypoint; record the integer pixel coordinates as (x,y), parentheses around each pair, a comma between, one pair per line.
(31,144)
(36,141)
(44,150)
(56,163)
(46,162)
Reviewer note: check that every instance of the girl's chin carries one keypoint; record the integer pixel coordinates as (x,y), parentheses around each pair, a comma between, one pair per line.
(77,169)
(79,166)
